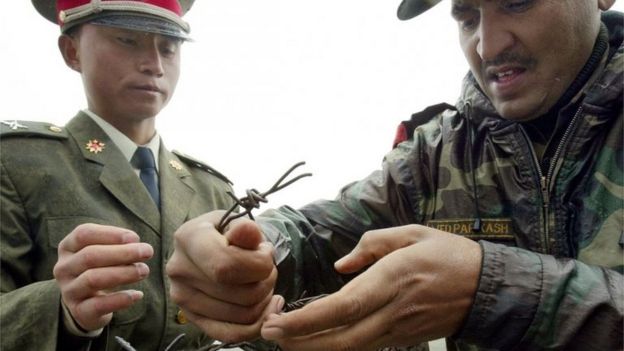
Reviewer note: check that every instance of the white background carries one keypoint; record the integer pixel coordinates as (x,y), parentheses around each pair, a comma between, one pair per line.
(266,84)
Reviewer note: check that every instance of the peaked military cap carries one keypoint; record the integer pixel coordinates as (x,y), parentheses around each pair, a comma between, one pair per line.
(153,16)
(412,8)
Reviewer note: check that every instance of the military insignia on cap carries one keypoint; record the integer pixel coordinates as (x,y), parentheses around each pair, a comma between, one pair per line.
(14,125)
(175,165)
(95,146)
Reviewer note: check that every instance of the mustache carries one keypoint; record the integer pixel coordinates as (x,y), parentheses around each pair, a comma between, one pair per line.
(509,58)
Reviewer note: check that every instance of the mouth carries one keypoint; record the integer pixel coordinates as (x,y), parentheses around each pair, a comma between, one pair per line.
(506,81)
(148,88)
(505,74)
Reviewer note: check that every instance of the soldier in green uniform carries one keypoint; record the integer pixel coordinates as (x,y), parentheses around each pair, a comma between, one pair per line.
(497,222)
(89,209)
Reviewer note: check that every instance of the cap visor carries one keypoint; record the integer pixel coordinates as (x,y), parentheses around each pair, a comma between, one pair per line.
(141,23)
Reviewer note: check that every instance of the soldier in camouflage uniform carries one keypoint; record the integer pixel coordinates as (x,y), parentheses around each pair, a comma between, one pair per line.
(83,243)
(497,222)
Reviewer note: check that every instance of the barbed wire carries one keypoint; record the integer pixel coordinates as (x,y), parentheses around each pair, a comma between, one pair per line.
(254,198)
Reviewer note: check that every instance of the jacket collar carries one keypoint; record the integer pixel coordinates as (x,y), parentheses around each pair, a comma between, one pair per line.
(118,177)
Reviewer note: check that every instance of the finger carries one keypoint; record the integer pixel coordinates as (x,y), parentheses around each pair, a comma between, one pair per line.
(231,332)
(217,283)
(352,303)
(94,313)
(367,334)
(198,303)
(241,294)
(95,234)
(375,244)
(228,264)
(95,256)
(244,233)
(96,280)
(242,265)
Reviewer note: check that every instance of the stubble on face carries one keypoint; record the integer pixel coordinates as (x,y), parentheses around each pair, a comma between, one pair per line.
(548,46)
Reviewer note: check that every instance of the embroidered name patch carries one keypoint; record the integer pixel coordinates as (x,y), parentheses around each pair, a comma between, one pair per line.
(491,228)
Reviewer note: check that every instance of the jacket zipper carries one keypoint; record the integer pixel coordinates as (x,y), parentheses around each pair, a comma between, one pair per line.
(545,182)
(543,185)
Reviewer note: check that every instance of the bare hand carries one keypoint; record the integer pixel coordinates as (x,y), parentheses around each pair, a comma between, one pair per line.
(420,288)
(223,283)
(93,261)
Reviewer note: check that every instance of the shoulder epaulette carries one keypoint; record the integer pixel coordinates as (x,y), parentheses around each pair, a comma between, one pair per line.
(406,129)
(196,163)
(16,128)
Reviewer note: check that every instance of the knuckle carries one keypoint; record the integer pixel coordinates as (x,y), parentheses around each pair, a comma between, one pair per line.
(223,271)
(354,308)
(178,296)
(366,239)
(89,258)
(92,280)
(82,232)
(59,271)
(171,268)
(255,294)
(251,315)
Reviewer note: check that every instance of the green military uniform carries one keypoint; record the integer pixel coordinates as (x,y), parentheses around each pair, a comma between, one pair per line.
(552,239)
(52,180)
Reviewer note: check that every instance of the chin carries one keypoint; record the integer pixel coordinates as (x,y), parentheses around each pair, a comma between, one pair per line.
(516,111)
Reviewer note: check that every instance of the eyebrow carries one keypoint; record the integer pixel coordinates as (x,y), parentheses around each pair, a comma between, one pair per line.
(459,8)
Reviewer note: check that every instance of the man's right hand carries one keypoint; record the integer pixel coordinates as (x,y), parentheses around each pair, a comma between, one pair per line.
(223,282)
(93,261)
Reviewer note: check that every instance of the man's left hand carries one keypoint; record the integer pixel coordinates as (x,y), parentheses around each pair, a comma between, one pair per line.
(420,287)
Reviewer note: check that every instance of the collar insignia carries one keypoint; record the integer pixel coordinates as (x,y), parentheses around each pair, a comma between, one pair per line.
(14,125)
(175,165)
(95,146)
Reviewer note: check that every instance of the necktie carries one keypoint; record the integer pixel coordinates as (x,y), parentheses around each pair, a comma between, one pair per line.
(143,159)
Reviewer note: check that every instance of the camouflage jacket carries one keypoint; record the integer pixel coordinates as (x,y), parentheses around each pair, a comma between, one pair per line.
(52,181)
(552,241)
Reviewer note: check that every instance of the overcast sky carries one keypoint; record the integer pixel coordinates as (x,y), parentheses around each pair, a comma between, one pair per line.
(266,84)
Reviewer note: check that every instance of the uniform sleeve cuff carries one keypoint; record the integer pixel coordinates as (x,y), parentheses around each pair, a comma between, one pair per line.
(507,297)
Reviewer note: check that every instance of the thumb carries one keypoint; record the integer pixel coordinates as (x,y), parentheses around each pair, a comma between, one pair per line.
(244,233)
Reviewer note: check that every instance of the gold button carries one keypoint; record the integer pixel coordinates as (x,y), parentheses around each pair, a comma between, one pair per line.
(62,16)
(181,318)
(55,129)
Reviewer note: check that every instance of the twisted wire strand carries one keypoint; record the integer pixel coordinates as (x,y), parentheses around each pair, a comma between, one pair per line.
(254,198)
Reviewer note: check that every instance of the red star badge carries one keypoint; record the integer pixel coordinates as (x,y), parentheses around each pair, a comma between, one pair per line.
(95,146)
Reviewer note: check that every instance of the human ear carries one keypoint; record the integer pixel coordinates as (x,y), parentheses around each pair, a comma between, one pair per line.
(604,5)
(69,50)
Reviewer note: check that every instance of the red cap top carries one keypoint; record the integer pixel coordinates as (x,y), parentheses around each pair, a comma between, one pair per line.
(63,6)
(69,12)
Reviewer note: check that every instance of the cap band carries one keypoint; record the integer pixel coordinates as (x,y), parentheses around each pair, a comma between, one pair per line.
(74,10)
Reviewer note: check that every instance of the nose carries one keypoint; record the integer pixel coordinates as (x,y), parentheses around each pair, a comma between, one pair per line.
(151,61)
(493,35)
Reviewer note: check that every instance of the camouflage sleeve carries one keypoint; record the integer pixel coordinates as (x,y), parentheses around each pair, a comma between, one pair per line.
(530,301)
(29,312)
(308,241)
